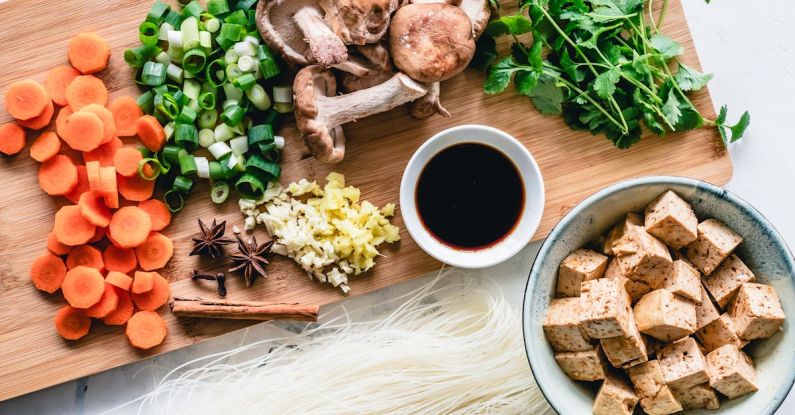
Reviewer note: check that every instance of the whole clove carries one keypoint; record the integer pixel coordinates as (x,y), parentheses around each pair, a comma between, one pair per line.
(220,278)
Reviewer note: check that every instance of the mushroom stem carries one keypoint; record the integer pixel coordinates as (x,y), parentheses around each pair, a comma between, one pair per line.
(343,109)
(326,47)
(429,104)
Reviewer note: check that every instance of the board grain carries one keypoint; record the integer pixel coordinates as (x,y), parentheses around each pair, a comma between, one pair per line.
(35,34)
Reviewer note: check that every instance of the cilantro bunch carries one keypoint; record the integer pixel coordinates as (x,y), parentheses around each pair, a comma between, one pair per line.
(603,65)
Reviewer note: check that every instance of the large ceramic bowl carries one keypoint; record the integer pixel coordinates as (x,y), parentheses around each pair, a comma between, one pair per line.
(763,250)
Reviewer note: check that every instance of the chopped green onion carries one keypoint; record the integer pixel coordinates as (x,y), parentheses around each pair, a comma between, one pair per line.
(219,192)
(168,129)
(173,18)
(283,97)
(215,73)
(202,167)
(267,62)
(187,164)
(170,154)
(239,145)
(228,103)
(260,134)
(233,115)
(279,141)
(163,58)
(187,136)
(193,9)
(244,82)
(155,168)
(247,64)
(239,17)
(162,32)
(174,200)
(245,48)
(235,162)
(207,100)
(194,105)
(231,92)
(212,25)
(148,33)
(192,89)
(258,97)
(233,71)
(208,118)
(181,98)
(206,137)
(174,41)
(217,7)
(250,186)
(187,116)
(158,12)
(252,39)
(230,57)
(264,169)
(137,57)
(190,33)
(206,40)
(166,106)
(146,102)
(153,74)
(223,132)
(174,72)
(219,149)
(245,4)
(230,34)
(193,60)
(182,184)
(217,170)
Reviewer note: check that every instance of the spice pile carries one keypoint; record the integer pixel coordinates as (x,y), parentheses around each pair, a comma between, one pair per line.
(102,238)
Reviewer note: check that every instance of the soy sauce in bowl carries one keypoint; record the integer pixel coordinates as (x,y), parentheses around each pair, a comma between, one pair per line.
(470,196)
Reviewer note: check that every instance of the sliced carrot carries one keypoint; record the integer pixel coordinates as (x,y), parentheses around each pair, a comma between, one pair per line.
(12,138)
(130,226)
(99,234)
(107,303)
(146,329)
(120,259)
(86,90)
(116,244)
(126,161)
(58,175)
(58,79)
(71,228)
(93,208)
(40,121)
(47,272)
(105,153)
(135,188)
(56,247)
(85,255)
(156,297)
(125,113)
(88,52)
(26,99)
(60,120)
(119,280)
(110,188)
(158,212)
(123,312)
(93,170)
(72,323)
(107,120)
(82,185)
(142,282)
(151,133)
(45,147)
(155,252)
(83,287)
(83,131)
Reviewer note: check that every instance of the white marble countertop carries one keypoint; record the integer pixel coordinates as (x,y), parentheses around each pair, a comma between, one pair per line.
(749,48)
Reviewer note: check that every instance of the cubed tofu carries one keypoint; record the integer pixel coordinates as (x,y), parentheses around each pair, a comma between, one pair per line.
(643,257)
(697,397)
(706,312)
(605,310)
(656,398)
(727,278)
(626,351)
(714,243)
(731,371)
(682,363)
(665,316)
(615,397)
(635,289)
(617,231)
(562,326)
(581,265)
(672,220)
(718,333)
(684,280)
(589,365)
(756,311)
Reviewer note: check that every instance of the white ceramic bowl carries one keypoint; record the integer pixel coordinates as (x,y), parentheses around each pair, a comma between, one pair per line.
(533,190)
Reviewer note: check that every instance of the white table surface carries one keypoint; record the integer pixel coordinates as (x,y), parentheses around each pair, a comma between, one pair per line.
(749,47)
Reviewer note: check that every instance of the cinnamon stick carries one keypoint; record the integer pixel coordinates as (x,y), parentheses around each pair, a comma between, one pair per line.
(243,310)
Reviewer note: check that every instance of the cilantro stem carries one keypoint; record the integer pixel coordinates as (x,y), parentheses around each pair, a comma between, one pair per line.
(582,93)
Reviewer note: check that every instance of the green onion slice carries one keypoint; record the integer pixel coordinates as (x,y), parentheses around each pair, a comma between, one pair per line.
(154,74)
(166,106)
(250,186)
(219,192)
(137,57)
(193,61)
(187,136)
(187,116)
(156,168)
(262,133)
(174,200)
(207,100)
(158,12)
(187,164)
(216,7)
(265,169)
(182,184)
(233,114)
(148,33)
(146,102)
(192,9)
(215,73)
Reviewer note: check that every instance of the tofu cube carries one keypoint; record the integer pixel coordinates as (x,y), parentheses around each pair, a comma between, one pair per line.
(588,366)
(684,280)
(672,220)
(581,265)
(626,351)
(656,398)
(731,371)
(618,231)
(756,311)
(718,333)
(706,312)
(665,316)
(643,257)
(605,310)
(615,397)
(562,326)
(682,363)
(635,289)
(697,397)
(727,278)
(714,243)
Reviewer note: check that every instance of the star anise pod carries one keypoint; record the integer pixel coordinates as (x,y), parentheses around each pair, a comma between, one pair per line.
(251,259)
(211,240)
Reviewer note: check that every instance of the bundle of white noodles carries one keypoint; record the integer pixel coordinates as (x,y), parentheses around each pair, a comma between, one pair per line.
(451,347)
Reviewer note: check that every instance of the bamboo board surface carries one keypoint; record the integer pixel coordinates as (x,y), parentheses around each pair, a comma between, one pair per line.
(35,34)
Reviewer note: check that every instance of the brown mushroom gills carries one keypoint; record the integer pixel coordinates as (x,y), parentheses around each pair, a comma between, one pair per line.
(358,22)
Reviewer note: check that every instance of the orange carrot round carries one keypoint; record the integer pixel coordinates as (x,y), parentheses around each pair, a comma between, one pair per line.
(58,175)
(58,79)
(158,212)
(151,133)
(123,312)
(86,90)
(107,120)
(146,329)
(72,323)
(126,161)
(47,272)
(94,178)
(142,282)
(71,228)
(85,255)
(120,259)
(107,303)
(135,188)
(119,280)
(105,153)
(26,99)
(60,120)
(56,247)
(156,297)
(110,187)
(40,121)
(89,53)
(81,187)
(12,138)
(125,113)
(130,226)
(45,147)
(83,287)
(93,208)
(83,131)
(99,234)
(155,252)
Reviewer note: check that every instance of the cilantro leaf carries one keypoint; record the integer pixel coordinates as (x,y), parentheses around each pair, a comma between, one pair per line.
(671,109)
(570,67)
(724,110)
(526,81)
(500,75)
(547,96)
(666,46)
(514,24)
(738,130)
(690,79)
(605,83)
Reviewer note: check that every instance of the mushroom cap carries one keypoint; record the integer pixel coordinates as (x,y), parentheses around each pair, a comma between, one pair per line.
(479,12)
(359,21)
(431,42)
(375,58)
(275,23)
(326,144)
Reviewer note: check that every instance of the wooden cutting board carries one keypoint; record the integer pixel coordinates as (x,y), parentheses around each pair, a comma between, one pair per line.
(35,34)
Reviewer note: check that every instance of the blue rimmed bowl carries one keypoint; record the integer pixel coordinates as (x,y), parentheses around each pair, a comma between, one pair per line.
(763,250)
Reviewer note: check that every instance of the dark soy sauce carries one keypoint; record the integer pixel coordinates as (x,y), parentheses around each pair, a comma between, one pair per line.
(470,196)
